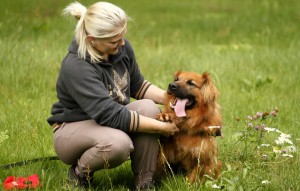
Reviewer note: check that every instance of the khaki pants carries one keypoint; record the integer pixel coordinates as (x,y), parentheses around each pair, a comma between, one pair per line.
(93,147)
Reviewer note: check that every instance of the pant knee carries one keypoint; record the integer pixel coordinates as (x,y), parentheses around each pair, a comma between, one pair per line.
(118,151)
(149,108)
(122,148)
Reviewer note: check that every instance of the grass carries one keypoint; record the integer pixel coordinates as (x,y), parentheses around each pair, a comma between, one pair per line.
(250,47)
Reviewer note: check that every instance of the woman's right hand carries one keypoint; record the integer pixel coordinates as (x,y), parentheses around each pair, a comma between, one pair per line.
(168,129)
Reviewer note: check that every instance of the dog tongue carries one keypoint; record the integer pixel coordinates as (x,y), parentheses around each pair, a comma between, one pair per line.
(180,107)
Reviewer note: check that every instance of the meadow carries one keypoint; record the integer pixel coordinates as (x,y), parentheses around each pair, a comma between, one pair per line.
(250,47)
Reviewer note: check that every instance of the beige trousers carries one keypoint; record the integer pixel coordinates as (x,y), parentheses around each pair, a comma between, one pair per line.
(93,147)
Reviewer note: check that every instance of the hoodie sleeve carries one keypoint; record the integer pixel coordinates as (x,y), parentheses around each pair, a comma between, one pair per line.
(83,85)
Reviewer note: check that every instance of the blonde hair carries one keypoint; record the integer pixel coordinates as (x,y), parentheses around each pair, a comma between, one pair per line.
(100,20)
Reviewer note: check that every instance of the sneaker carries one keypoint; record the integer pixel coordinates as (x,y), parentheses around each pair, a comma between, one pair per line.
(77,180)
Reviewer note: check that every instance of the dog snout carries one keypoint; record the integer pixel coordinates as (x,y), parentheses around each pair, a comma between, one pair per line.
(173,86)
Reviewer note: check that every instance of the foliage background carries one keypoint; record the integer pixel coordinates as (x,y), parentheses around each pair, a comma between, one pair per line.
(250,47)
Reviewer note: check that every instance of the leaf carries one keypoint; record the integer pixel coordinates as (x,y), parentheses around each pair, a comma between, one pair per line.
(245,172)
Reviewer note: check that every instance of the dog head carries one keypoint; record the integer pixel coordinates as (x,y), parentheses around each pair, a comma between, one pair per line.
(189,90)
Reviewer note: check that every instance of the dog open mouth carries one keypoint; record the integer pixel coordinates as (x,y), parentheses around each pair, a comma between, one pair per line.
(179,105)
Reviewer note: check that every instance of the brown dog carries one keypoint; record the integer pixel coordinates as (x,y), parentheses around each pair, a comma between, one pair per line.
(191,104)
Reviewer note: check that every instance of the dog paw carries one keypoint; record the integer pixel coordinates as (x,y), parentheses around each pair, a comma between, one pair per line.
(165,117)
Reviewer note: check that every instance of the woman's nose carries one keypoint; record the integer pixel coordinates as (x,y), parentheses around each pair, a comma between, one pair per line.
(122,42)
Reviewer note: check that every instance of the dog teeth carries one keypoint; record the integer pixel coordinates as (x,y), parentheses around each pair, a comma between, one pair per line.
(172,106)
(175,101)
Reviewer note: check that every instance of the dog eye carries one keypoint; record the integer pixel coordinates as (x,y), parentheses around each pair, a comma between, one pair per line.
(176,79)
(191,83)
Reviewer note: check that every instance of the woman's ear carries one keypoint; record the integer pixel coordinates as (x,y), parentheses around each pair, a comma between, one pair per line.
(90,39)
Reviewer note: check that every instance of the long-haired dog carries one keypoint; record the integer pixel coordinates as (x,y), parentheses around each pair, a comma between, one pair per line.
(191,105)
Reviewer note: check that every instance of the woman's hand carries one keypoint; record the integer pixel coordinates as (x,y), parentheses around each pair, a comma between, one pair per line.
(168,129)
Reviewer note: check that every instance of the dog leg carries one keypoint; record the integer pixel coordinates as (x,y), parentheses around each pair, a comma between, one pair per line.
(211,170)
(218,169)
(192,175)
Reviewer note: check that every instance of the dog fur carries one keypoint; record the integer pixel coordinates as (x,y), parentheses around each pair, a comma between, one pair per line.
(193,148)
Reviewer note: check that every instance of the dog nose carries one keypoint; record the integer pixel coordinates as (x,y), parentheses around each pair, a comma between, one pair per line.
(173,86)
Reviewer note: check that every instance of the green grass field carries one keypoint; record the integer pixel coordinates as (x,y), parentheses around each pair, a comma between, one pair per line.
(251,49)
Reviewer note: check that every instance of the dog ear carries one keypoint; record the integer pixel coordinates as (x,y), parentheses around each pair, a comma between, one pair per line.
(209,91)
(177,74)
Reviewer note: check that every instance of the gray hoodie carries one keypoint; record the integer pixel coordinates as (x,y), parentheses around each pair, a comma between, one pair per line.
(100,90)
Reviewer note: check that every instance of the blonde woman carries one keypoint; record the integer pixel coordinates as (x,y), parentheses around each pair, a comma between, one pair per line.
(95,125)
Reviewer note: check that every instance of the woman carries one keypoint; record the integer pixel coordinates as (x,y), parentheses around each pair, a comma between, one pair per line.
(95,125)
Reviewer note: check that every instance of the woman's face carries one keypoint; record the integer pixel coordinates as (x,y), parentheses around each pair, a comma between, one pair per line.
(110,46)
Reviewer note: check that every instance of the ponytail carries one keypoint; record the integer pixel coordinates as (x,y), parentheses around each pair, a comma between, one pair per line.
(76,9)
